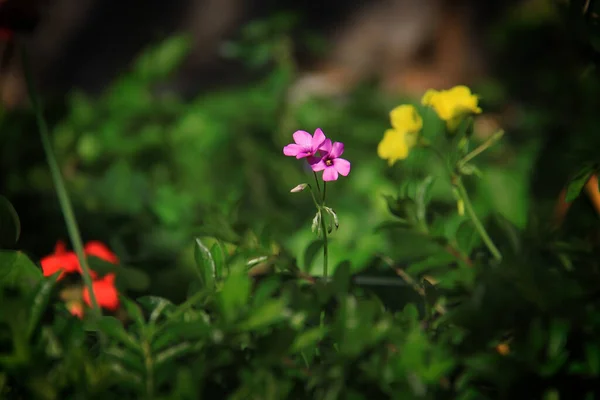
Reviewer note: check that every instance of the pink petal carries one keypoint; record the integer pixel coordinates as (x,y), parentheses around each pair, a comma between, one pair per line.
(312,160)
(330,174)
(342,166)
(326,146)
(317,139)
(292,149)
(303,138)
(336,150)
(320,166)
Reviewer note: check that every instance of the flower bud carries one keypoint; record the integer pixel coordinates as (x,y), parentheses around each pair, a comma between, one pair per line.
(299,188)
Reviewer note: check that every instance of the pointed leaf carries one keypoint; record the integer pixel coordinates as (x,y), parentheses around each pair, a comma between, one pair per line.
(234,295)
(40,302)
(578,181)
(10,225)
(218,255)
(205,264)
(16,269)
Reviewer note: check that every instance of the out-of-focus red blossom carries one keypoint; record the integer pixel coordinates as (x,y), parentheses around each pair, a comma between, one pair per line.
(105,292)
(104,288)
(67,262)
(60,260)
(98,249)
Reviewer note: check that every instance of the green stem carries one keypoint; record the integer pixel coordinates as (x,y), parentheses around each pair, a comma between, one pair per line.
(323,222)
(313,197)
(325,250)
(464,196)
(478,225)
(481,148)
(61,191)
(317,180)
(149,364)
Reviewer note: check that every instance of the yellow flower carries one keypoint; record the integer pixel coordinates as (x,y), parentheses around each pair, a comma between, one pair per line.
(406,118)
(397,142)
(452,105)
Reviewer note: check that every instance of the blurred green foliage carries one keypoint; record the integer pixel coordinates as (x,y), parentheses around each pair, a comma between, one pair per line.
(195,196)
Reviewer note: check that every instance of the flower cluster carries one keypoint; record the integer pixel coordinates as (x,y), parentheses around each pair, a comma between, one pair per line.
(66,263)
(397,142)
(451,106)
(320,152)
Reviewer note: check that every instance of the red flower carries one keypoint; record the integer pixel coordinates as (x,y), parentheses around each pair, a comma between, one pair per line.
(105,292)
(98,249)
(67,262)
(61,260)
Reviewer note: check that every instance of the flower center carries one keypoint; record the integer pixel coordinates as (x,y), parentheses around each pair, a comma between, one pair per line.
(329,163)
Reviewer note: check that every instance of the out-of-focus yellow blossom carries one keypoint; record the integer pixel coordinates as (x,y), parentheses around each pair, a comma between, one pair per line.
(452,105)
(397,142)
(406,118)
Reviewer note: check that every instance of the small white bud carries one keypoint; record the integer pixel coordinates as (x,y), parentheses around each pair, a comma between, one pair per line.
(299,188)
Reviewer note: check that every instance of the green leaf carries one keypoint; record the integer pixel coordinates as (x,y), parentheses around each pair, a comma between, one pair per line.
(205,264)
(10,226)
(17,270)
(126,358)
(113,328)
(311,252)
(173,353)
(155,306)
(135,313)
(578,181)
(234,294)
(403,208)
(161,60)
(422,198)
(341,277)
(467,237)
(434,261)
(308,338)
(268,314)
(126,376)
(40,302)
(174,332)
(218,255)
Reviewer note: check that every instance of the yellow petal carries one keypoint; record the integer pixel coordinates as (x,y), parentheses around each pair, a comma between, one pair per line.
(428,97)
(453,104)
(406,118)
(393,146)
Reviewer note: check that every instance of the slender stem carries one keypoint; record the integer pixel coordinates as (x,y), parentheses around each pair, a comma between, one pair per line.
(478,225)
(61,191)
(313,197)
(464,196)
(317,180)
(481,148)
(149,364)
(324,191)
(325,250)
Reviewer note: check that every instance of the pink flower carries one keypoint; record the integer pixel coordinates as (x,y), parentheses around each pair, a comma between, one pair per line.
(306,144)
(330,163)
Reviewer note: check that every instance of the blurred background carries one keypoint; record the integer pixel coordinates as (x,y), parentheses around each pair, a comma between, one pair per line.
(168,118)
